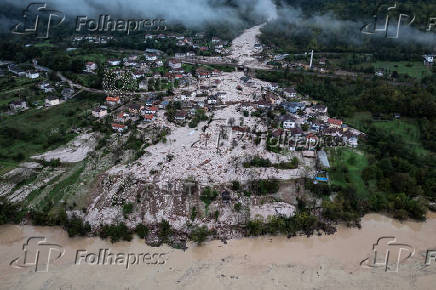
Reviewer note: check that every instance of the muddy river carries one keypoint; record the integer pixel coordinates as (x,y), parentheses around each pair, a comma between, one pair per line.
(50,259)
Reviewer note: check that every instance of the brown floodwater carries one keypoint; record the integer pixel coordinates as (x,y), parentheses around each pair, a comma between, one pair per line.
(317,262)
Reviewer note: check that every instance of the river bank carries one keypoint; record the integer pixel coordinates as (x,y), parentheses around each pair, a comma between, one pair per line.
(327,262)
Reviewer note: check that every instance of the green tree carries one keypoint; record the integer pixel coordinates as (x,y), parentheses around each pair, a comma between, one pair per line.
(199,234)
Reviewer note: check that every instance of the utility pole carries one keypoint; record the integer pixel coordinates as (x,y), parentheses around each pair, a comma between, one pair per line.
(311,59)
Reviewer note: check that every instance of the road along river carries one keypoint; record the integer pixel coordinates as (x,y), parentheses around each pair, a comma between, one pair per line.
(317,262)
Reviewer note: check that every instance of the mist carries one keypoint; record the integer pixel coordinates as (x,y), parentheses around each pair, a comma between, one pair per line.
(282,18)
(191,13)
(292,22)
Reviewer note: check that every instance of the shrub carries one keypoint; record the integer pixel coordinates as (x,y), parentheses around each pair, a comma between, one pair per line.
(116,232)
(263,187)
(141,230)
(194,213)
(164,231)
(199,234)
(208,196)
(236,185)
(127,209)
(76,227)
(9,212)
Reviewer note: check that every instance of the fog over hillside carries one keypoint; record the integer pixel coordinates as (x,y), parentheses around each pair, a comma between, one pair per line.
(197,13)
(188,12)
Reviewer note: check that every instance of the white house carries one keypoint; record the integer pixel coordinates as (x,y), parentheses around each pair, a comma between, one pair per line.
(290,92)
(151,57)
(138,74)
(428,59)
(100,112)
(174,64)
(114,62)
(212,100)
(289,124)
(90,66)
(52,101)
(18,105)
(32,74)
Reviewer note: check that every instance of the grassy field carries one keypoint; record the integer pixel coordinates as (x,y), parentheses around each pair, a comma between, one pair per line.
(406,128)
(96,57)
(26,90)
(346,169)
(11,83)
(61,189)
(409,132)
(87,80)
(56,189)
(360,120)
(36,131)
(415,69)
(188,67)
